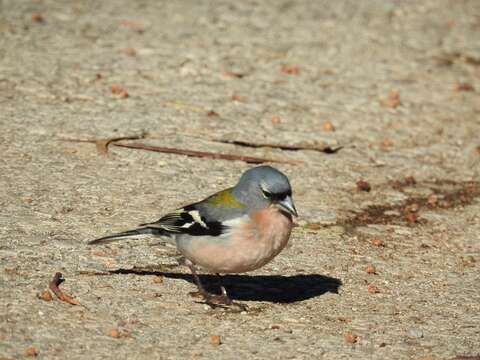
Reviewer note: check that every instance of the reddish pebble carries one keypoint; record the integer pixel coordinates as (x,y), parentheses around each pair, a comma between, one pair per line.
(370,269)
(377,242)
(362,185)
(215,340)
(350,338)
(31,351)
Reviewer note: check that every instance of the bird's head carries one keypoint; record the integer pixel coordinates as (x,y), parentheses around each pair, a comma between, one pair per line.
(264,186)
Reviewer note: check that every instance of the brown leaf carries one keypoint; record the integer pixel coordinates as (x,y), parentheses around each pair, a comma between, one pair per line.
(54,286)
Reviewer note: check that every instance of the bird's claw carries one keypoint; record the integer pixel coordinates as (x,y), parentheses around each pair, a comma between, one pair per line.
(221,301)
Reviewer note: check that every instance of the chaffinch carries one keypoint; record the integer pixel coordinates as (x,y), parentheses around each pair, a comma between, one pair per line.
(236,230)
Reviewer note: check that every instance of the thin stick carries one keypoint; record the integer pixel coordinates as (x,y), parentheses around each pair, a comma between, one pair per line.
(324,149)
(204,154)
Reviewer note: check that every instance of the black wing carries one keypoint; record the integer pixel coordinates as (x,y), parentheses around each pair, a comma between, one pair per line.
(187,220)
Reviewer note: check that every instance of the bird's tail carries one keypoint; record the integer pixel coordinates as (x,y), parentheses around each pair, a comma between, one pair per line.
(118,236)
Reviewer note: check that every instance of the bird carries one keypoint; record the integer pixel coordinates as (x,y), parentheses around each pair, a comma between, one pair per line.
(236,230)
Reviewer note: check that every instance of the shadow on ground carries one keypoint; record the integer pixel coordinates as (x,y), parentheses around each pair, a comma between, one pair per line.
(275,288)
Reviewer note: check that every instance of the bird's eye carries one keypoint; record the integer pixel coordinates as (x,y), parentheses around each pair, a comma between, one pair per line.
(266,193)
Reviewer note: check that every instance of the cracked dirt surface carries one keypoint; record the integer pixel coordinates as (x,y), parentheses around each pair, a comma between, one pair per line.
(396,83)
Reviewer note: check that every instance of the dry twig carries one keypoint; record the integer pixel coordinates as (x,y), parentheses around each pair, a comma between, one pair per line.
(205,154)
(54,286)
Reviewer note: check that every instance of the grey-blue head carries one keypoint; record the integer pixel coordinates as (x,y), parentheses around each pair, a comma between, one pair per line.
(265,186)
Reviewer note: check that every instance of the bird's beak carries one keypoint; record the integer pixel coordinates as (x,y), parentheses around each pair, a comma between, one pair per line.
(288,206)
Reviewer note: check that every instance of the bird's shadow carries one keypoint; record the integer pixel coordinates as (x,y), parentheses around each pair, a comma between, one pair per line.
(270,288)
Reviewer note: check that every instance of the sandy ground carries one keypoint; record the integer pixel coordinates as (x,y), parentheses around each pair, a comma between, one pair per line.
(398,82)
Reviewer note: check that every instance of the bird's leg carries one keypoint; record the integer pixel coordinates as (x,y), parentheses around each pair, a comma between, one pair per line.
(212,299)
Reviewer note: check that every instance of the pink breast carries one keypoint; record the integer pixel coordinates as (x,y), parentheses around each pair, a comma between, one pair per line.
(254,244)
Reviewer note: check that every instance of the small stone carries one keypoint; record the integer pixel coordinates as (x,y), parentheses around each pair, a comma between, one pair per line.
(392,100)
(411,218)
(215,340)
(362,185)
(378,242)
(276,120)
(350,338)
(410,180)
(432,200)
(464,87)
(415,333)
(212,113)
(129,51)
(370,269)
(290,69)
(158,280)
(328,126)
(31,351)
(114,333)
(36,17)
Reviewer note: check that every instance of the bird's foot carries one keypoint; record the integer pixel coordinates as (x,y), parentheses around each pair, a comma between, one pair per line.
(221,301)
